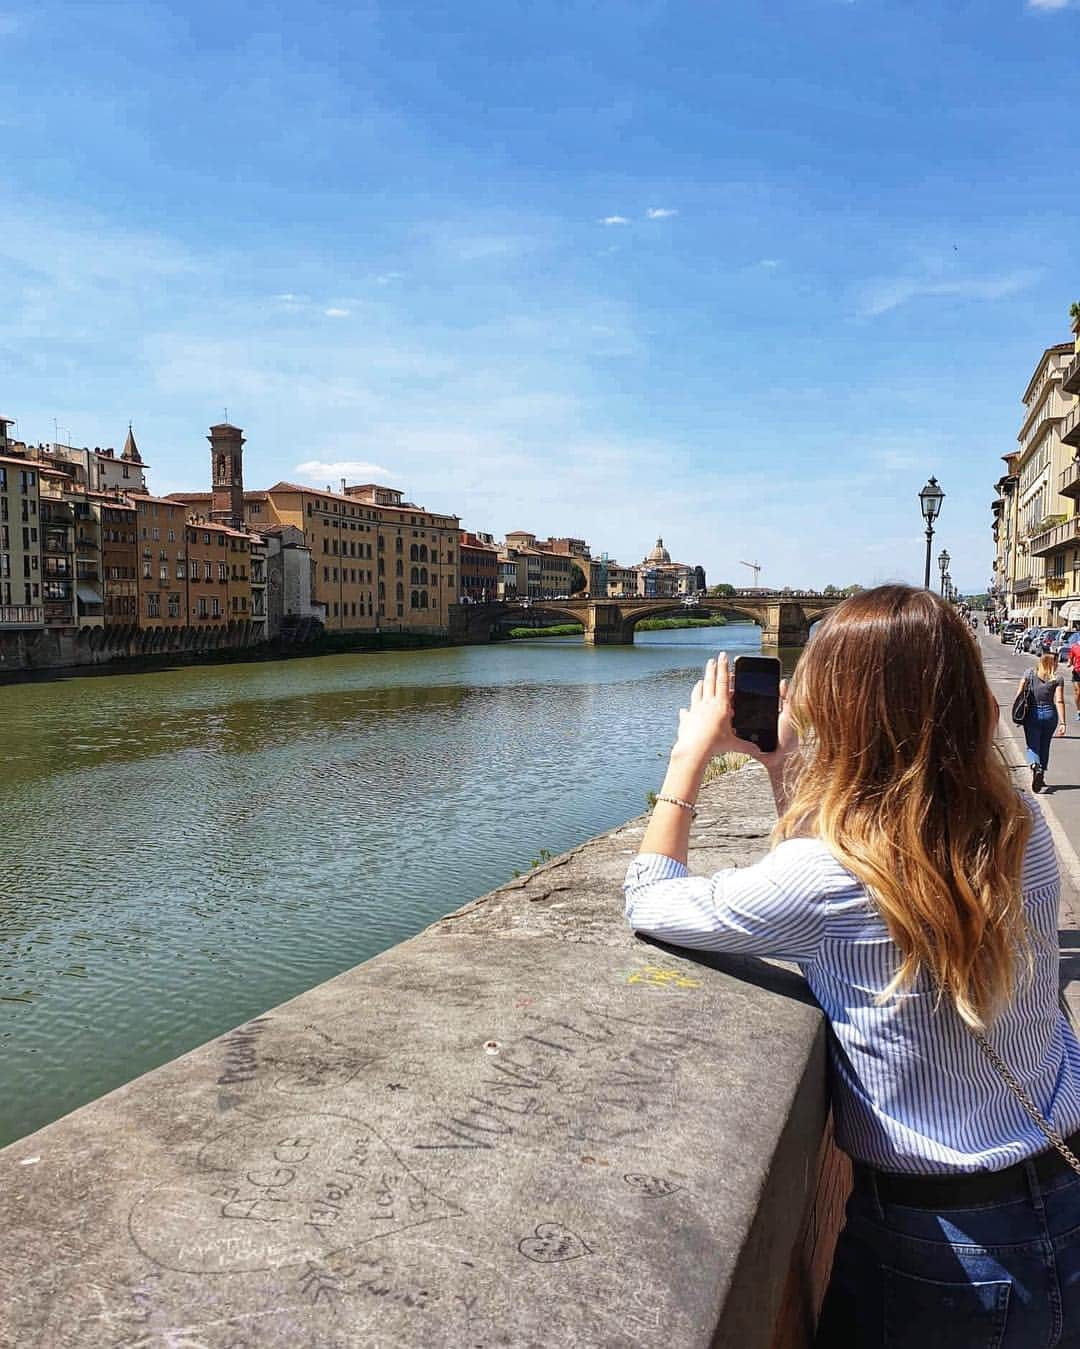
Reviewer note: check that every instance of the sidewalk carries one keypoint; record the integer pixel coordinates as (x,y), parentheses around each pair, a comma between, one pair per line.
(1060,801)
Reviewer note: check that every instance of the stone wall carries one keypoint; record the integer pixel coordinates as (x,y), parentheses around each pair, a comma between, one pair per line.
(57,650)
(524,1127)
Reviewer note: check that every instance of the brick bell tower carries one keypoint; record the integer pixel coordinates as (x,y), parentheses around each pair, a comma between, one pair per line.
(227,475)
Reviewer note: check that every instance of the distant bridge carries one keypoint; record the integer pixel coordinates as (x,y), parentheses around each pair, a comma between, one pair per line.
(784,616)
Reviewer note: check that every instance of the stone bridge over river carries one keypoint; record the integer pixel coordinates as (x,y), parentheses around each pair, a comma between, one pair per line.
(783,616)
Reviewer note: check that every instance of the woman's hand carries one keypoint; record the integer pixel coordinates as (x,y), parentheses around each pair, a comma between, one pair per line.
(706,728)
(1061,729)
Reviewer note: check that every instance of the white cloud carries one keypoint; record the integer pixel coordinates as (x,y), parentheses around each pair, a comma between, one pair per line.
(878,297)
(320,472)
(614,220)
(334,313)
(660,212)
(1049,4)
(770,264)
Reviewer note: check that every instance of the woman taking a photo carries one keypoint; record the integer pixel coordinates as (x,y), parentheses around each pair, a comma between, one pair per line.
(1046,714)
(918,891)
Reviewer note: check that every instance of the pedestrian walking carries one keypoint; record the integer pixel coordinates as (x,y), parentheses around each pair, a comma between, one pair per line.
(1045,716)
(918,890)
(1072,655)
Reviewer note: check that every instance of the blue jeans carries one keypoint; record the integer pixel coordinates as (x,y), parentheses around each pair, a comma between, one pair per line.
(1039,727)
(1003,1275)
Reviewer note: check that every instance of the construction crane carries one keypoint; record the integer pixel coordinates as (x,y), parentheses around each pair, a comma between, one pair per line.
(755,567)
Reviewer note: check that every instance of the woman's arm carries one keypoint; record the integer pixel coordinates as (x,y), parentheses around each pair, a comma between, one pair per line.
(705,730)
(1059,698)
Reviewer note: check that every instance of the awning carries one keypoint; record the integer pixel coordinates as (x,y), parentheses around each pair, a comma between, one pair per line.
(89,595)
(1070,611)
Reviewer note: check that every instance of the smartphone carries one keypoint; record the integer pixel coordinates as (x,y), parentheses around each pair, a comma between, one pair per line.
(756,705)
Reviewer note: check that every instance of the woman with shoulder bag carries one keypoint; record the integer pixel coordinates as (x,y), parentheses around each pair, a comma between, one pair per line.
(918,891)
(1044,716)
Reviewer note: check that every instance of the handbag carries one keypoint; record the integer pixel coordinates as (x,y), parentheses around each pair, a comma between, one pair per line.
(1023,701)
(1030,1108)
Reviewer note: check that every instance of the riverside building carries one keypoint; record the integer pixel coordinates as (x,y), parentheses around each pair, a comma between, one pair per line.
(21,607)
(1037,508)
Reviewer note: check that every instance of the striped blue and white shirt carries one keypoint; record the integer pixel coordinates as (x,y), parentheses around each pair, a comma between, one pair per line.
(912,1091)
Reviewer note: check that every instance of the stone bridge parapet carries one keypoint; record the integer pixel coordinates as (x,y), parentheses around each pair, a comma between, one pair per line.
(522,1127)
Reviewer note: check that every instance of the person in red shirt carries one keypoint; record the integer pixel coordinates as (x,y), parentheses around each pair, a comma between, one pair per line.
(1074,665)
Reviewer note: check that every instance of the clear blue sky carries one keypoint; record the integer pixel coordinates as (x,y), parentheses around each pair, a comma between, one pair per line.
(743,274)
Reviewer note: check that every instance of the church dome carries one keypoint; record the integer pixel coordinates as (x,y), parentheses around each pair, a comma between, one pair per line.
(659,553)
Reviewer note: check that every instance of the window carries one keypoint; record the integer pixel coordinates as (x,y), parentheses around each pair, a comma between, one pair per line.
(208,569)
(146,571)
(201,609)
(222,571)
(215,607)
(155,533)
(153,605)
(174,605)
(326,573)
(163,572)
(172,535)
(180,571)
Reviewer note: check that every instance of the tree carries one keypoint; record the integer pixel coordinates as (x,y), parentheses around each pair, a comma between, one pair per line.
(722,589)
(1074,310)
(578,580)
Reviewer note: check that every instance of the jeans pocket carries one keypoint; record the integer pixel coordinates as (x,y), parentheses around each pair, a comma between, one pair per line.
(925,1314)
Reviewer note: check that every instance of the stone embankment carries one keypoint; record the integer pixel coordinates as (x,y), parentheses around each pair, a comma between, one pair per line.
(523,1127)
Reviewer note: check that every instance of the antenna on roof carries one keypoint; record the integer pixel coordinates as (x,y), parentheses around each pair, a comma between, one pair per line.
(226,414)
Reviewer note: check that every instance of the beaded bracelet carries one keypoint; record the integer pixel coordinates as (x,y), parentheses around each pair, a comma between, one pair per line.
(677,801)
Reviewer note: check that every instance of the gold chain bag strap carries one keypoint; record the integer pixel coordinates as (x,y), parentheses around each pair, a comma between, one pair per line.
(1024,1097)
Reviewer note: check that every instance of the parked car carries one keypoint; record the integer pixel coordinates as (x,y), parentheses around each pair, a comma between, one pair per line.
(1009,632)
(1067,638)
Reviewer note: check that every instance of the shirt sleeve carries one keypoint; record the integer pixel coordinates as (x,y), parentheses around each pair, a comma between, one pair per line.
(777,907)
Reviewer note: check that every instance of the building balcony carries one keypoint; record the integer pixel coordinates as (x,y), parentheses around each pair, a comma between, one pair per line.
(1055,585)
(1069,481)
(55,545)
(1058,536)
(1070,428)
(1022,583)
(21,616)
(86,545)
(1070,380)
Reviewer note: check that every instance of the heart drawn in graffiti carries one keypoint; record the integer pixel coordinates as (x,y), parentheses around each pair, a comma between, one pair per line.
(654,1187)
(552,1243)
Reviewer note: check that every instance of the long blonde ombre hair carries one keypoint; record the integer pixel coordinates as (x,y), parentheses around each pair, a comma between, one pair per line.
(900,778)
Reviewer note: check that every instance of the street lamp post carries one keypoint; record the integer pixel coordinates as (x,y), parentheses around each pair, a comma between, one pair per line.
(943,564)
(930,499)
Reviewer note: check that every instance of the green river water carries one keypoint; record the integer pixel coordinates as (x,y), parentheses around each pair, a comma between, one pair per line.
(184,849)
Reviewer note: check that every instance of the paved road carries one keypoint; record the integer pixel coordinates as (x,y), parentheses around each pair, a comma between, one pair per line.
(1060,801)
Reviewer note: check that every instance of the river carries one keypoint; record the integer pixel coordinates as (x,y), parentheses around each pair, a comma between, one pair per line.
(184,849)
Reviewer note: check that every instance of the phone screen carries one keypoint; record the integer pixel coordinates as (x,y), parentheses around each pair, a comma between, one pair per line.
(757,700)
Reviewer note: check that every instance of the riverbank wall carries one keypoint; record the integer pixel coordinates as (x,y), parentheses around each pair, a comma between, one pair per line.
(130,650)
(524,1126)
